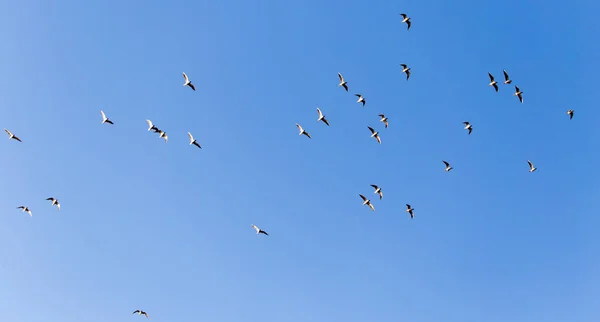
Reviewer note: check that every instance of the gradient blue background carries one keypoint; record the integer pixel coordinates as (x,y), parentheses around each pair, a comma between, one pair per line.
(166,227)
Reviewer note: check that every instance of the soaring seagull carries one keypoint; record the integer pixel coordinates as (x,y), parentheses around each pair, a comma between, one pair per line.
(377,191)
(322,117)
(12,136)
(367,202)
(468,126)
(410,210)
(361,99)
(518,94)
(406,19)
(302,130)
(151,126)
(406,69)
(54,202)
(506,79)
(259,231)
(570,113)
(188,82)
(375,134)
(25,209)
(342,83)
(531,167)
(448,167)
(140,312)
(105,119)
(384,120)
(493,82)
(193,141)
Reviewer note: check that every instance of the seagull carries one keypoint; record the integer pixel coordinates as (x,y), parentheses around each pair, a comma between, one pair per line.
(518,93)
(375,134)
(54,202)
(192,141)
(322,117)
(448,167)
(259,231)
(468,126)
(493,82)
(531,167)
(343,83)
(302,130)
(187,82)
(163,135)
(406,70)
(12,136)
(105,119)
(360,99)
(384,120)
(406,19)
(378,191)
(506,79)
(570,113)
(410,210)
(367,202)
(25,209)
(152,126)
(140,312)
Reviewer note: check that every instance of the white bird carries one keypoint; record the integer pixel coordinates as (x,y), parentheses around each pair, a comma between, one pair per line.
(360,99)
(410,210)
(448,167)
(531,167)
(163,135)
(375,134)
(367,202)
(384,120)
(322,117)
(342,83)
(302,131)
(377,191)
(406,19)
(259,231)
(54,202)
(193,141)
(506,79)
(468,126)
(406,70)
(25,209)
(105,119)
(493,82)
(518,93)
(12,136)
(151,126)
(570,113)
(188,82)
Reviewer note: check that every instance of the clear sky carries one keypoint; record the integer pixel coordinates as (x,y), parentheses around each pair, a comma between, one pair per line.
(166,227)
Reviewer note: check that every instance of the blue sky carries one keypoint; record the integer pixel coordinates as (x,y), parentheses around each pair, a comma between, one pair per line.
(166,227)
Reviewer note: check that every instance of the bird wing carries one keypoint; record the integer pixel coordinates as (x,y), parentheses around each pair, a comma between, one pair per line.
(341,78)
(407,206)
(192,86)
(370,128)
(505,75)
(408,23)
(255,228)
(21,207)
(103,115)
(191,137)
(320,113)
(466,123)
(136,311)
(491,77)
(403,15)
(381,115)
(150,124)
(375,186)
(446,163)
(403,65)
(496,87)
(530,164)
(326,122)
(186,77)
(299,127)
(378,139)
(8,132)
(517,89)
(358,95)
(50,199)
(363,197)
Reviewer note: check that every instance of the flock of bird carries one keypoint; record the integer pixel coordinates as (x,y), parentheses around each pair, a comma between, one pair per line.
(321,118)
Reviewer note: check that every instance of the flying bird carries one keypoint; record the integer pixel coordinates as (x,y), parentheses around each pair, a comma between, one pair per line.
(163,135)
(188,82)
(259,231)
(468,126)
(343,83)
(384,120)
(322,117)
(518,93)
(506,79)
(360,99)
(25,209)
(302,130)
(152,126)
(448,167)
(367,202)
(410,210)
(54,202)
(105,119)
(375,134)
(377,191)
(493,82)
(12,136)
(406,70)
(570,113)
(193,141)
(140,312)
(531,167)
(406,19)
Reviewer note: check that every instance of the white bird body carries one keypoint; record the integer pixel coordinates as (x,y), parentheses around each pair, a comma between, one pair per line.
(25,209)
(322,117)
(302,130)
(193,141)
(531,167)
(105,119)
(187,82)
(367,202)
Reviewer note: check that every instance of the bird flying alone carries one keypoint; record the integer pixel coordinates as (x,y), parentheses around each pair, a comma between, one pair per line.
(375,134)
(193,141)
(322,117)
(377,191)
(493,82)
(12,136)
(367,202)
(406,19)
(25,209)
(302,130)
(531,167)
(448,167)
(384,120)
(360,99)
(140,312)
(105,119)
(54,202)
(518,94)
(410,210)
(506,79)
(406,69)
(342,83)
(468,126)
(259,231)
(570,113)
(188,82)
(151,126)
